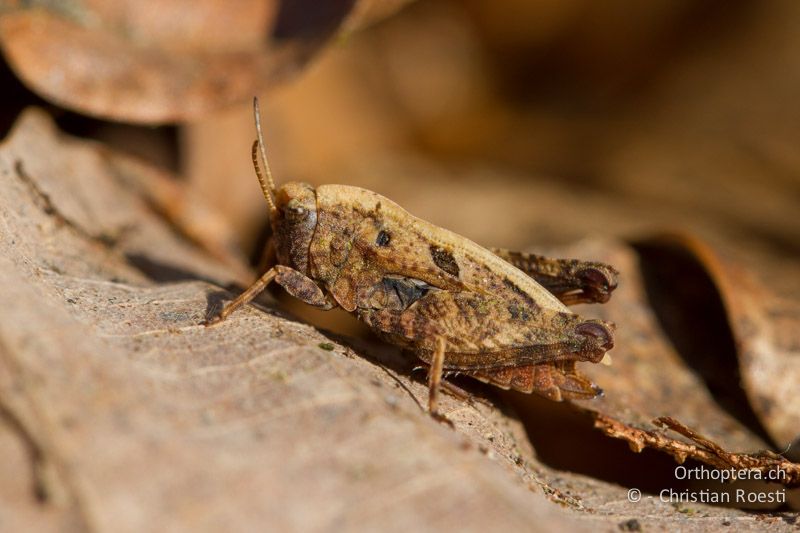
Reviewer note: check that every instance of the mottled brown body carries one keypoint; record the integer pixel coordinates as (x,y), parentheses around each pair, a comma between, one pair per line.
(498,316)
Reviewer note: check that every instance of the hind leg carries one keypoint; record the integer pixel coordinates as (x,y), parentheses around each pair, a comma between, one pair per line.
(572,281)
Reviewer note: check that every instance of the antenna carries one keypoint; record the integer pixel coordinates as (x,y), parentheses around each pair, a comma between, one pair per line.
(268,186)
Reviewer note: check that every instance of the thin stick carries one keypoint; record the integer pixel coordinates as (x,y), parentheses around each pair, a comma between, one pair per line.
(268,186)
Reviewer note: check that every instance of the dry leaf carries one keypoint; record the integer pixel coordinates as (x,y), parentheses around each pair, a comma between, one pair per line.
(765,335)
(170,61)
(649,386)
(146,417)
(132,414)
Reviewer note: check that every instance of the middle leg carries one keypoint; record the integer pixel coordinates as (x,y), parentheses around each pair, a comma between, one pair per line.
(435,377)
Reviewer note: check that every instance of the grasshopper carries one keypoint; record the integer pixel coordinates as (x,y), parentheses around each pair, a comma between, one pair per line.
(495,315)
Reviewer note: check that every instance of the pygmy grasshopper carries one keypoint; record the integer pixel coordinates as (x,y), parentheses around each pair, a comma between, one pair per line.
(494,315)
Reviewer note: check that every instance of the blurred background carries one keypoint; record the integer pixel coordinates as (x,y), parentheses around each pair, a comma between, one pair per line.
(510,122)
(514,123)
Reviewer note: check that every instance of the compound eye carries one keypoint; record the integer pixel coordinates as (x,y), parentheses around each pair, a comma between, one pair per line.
(295,211)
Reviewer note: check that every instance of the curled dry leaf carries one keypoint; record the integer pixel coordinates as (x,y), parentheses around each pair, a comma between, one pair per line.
(117,60)
(766,329)
(649,386)
(769,464)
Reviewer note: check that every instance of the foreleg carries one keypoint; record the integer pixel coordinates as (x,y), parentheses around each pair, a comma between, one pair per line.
(294,282)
